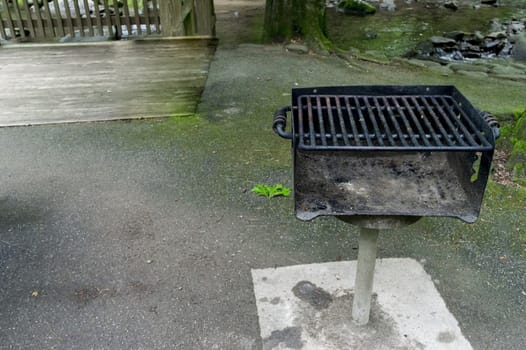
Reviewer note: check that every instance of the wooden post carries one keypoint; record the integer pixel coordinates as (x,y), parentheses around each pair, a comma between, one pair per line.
(171,17)
(205,17)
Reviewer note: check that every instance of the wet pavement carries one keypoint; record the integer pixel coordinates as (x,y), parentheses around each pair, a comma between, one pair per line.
(143,234)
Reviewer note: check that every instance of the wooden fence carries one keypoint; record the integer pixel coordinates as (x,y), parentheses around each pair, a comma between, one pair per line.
(41,20)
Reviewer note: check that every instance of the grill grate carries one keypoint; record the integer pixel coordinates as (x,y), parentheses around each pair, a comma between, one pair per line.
(389,122)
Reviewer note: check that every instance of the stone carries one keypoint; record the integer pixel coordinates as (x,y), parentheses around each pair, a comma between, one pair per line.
(356,7)
(388,5)
(455,35)
(371,35)
(467,67)
(477,75)
(297,48)
(516,27)
(497,35)
(442,41)
(452,5)
(519,78)
(519,47)
(506,70)
(493,45)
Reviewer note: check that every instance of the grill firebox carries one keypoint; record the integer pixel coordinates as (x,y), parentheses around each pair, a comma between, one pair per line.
(388,151)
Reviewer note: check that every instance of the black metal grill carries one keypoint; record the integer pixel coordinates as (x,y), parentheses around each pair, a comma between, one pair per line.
(388,150)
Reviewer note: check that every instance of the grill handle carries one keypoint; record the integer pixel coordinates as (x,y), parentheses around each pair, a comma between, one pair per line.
(492,123)
(280,122)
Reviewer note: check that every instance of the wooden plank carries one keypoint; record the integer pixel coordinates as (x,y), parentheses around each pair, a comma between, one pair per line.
(28,16)
(49,19)
(3,33)
(40,24)
(146,13)
(82,89)
(155,13)
(126,11)
(189,19)
(69,20)
(58,14)
(171,18)
(88,18)
(107,17)
(18,16)
(117,19)
(79,15)
(137,15)
(98,17)
(9,19)
(205,17)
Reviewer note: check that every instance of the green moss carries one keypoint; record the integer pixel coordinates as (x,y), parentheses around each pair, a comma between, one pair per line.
(356,7)
(517,136)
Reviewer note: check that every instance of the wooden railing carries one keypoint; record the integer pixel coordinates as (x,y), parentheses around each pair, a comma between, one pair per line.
(37,20)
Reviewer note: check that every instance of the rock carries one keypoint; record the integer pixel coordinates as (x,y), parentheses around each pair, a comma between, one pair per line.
(388,5)
(442,70)
(356,7)
(477,75)
(371,35)
(455,35)
(474,39)
(488,2)
(442,41)
(465,46)
(297,48)
(516,27)
(495,25)
(493,45)
(519,78)
(497,35)
(519,47)
(506,70)
(467,67)
(452,5)
(472,54)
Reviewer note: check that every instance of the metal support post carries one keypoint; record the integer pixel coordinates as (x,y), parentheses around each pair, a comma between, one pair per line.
(363,286)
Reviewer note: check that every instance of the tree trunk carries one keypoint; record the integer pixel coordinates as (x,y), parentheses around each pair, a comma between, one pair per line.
(287,19)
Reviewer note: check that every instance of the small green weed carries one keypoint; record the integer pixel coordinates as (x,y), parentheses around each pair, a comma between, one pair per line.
(270,191)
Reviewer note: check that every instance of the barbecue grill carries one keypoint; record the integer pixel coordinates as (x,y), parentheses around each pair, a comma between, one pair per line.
(388,151)
(383,156)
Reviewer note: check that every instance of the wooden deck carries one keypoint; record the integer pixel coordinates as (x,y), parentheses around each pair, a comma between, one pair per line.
(102,81)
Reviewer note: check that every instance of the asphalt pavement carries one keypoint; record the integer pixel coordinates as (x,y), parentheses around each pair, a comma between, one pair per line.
(143,234)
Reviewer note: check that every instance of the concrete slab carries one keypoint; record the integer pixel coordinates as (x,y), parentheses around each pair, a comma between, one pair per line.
(309,307)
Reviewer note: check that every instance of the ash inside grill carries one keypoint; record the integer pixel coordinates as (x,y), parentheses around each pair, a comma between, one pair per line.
(410,183)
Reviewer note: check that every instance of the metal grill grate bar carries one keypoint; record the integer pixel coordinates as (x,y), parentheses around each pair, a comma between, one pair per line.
(447,118)
(362,122)
(354,128)
(395,122)
(458,111)
(343,129)
(435,119)
(385,121)
(331,120)
(372,117)
(321,123)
